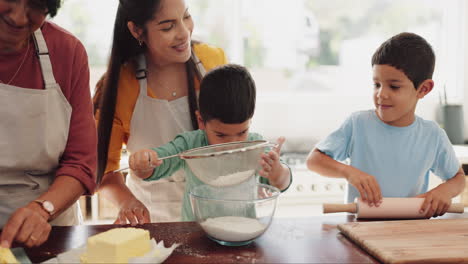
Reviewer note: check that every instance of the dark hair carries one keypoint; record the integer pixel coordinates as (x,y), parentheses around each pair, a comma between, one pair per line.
(125,48)
(227,93)
(407,52)
(49,7)
(53,6)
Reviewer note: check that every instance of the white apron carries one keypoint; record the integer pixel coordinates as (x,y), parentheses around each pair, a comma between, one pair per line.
(33,135)
(155,122)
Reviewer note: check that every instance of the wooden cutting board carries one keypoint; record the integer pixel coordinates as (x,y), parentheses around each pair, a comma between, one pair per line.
(412,241)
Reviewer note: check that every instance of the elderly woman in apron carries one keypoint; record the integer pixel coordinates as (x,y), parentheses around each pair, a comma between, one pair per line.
(149,95)
(48,134)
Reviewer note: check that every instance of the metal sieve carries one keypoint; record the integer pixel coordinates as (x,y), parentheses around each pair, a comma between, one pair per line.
(224,164)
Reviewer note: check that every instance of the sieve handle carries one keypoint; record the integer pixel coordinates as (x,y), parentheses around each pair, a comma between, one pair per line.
(272,145)
(168,157)
(277,145)
(163,158)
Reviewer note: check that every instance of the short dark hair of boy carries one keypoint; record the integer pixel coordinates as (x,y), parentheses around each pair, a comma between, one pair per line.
(409,53)
(227,93)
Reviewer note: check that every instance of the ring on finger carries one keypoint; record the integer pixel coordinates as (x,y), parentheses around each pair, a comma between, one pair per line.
(33,238)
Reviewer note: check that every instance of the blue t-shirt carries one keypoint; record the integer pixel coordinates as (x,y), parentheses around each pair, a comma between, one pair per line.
(400,158)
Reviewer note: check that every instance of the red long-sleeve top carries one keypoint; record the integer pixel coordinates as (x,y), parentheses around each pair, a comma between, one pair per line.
(70,67)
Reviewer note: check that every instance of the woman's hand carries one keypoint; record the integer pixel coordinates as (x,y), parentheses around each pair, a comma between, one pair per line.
(134,212)
(27,225)
(143,162)
(272,169)
(367,186)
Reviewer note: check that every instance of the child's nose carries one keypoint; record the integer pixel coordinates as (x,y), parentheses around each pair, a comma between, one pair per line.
(383,92)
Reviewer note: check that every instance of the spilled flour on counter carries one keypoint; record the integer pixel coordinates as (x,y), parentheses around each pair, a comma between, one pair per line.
(232,179)
(233,228)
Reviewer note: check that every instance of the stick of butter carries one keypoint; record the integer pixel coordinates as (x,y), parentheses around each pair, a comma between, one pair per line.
(6,257)
(117,245)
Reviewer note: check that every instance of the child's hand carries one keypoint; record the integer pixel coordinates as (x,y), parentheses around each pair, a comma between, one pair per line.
(367,186)
(436,202)
(143,162)
(272,169)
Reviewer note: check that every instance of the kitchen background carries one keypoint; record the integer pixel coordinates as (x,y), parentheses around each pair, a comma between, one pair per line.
(311,62)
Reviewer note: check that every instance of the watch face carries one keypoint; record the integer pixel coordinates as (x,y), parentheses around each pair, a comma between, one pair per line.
(48,206)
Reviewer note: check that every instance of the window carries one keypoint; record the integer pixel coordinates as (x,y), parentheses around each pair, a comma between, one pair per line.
(310,56)
(326,45)
(300,45)
(92,22)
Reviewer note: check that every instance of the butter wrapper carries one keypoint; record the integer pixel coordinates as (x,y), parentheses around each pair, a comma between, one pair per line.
(158,254)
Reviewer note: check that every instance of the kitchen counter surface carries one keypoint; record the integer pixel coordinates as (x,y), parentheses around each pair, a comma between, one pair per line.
(461,151)
(301,240)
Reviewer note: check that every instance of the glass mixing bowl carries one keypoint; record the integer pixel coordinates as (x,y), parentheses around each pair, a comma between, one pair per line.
(235,215)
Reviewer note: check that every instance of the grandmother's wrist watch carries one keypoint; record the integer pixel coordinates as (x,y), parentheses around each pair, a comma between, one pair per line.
(48,206)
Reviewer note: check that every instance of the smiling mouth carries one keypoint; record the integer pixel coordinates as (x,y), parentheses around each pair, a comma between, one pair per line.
(12,27)
(384,106)
(182,46)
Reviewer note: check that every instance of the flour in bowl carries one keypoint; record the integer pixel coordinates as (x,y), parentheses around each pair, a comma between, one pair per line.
(232,179)
(233,228)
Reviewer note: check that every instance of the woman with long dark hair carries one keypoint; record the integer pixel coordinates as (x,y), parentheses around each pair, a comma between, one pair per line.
(48,133)
(148,96)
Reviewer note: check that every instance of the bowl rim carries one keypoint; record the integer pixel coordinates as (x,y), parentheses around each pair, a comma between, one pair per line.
(261,143)
(276,193)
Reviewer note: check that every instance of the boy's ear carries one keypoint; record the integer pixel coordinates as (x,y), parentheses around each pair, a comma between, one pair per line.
(136,31)
(201,123)
(425,87)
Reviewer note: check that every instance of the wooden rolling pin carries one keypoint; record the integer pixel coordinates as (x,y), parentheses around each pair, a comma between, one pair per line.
(398,208)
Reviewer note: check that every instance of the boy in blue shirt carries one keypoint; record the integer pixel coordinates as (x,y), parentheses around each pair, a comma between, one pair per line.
(390,149)
(226,106)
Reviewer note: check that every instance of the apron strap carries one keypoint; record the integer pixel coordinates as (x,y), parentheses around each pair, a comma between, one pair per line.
(141,74)
(199,65)
(44,59)
(200,69)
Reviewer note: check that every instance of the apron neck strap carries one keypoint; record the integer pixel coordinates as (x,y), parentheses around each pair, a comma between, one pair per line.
(141,72)
(44,59)
(199,65)
(200,70)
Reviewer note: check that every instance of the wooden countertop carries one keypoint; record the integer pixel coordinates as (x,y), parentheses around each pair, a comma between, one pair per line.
(302,240)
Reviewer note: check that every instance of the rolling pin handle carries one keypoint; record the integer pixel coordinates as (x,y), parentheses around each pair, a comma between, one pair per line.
(339,208)
(456,208)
